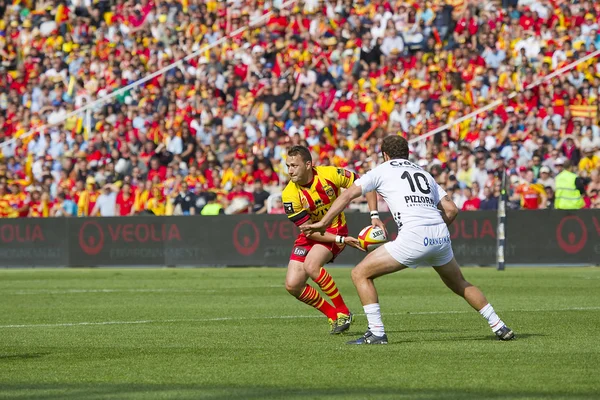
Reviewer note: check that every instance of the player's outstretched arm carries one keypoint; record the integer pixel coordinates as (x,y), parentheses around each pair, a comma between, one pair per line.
(325,237)
(337,207)
(448,209)
(372,202)
(328,237)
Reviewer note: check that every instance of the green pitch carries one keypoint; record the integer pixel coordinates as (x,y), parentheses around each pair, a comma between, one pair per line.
(236,334)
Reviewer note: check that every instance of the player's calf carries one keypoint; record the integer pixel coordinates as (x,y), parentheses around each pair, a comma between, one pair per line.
(453,278)
(313,266)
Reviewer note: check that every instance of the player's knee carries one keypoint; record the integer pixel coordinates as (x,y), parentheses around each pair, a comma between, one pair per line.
(465,284)
(358,274)
(293,288)
(312,268)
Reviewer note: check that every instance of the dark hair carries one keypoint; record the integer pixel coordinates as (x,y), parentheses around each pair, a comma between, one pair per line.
(395,147)
(210,196)
(301,151)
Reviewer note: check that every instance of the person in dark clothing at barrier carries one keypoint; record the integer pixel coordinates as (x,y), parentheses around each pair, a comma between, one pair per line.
(186,200)
(549,197)
(201,197)
(260,198)
(490,202)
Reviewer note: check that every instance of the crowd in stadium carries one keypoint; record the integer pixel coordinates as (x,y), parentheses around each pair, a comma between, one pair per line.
(210,134)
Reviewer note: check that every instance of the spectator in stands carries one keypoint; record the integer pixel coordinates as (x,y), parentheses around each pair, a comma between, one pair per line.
(106,202)
(550,197)
(472,202)
(277,207)
(338,76)
(239,200)
(156,203)
(569,188)
(465,173)
(532,195)
(260,198)
(589,162)
(544,178)
(490,201)
(201,197)
(186,200)
(63,207)
(212,207)
(594,186)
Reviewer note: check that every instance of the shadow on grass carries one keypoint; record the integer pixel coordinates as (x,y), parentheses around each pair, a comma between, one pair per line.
(181,391)
(23,356)
(398,339)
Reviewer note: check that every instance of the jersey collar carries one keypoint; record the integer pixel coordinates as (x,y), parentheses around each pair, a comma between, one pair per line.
(314,170)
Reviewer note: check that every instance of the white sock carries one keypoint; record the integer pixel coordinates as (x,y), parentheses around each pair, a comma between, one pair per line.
(492,318)
(373,314)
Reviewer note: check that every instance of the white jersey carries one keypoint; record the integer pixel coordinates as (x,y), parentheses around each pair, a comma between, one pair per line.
(410,192)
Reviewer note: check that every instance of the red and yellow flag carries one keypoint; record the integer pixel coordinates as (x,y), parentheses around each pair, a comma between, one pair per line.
(62,14)
(584,111)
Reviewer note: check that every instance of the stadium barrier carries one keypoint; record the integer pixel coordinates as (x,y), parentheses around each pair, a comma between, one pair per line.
(533,237)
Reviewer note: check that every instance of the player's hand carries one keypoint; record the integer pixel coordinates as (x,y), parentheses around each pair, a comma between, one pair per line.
(353,242)
(378,223)
(310,229)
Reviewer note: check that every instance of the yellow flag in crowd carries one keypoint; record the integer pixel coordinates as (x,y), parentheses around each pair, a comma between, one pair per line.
(28,165)
(71,88)
(60,14)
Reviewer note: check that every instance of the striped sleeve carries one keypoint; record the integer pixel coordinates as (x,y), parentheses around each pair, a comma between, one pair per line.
(293,206)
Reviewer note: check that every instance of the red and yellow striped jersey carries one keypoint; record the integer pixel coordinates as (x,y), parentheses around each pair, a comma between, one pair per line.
(312,201)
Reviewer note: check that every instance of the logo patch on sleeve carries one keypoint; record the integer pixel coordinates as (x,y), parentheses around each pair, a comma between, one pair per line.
(340,171)
(348,174)
(288,208)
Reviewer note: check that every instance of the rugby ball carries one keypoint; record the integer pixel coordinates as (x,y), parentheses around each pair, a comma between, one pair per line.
(372,237)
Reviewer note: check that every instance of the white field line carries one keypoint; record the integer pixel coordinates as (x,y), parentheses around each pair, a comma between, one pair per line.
(152,321)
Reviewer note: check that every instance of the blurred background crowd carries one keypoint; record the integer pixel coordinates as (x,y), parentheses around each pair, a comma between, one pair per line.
(210,135)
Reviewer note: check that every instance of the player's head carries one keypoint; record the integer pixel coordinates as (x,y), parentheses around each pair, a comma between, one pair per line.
(394,147)
(299,164)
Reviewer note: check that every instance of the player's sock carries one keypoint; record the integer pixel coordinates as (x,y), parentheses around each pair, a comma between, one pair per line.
(311,297)
(492,318)
(373,314)
(328,286)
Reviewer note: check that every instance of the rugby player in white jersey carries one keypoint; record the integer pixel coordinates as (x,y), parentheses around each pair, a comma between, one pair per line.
(423,212)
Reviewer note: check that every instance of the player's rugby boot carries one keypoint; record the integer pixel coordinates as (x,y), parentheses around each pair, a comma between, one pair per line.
(369,338)
(331,325)
(342,323)
(505,333)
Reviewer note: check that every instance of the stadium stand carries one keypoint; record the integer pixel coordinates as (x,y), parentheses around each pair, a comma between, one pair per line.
(334,76)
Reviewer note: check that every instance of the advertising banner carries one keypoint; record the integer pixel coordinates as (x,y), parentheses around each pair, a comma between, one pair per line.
(150,241)
(551,237)
(33,242)
(533,237)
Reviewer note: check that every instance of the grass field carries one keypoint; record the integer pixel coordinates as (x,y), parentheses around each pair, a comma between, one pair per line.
(236,334)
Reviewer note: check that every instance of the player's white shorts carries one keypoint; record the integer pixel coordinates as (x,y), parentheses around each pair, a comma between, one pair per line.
(422,246)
